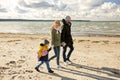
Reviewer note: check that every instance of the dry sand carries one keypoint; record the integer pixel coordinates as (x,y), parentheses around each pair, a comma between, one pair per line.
(94,58)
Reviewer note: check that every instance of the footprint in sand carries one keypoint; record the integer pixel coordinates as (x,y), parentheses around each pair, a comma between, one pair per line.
(13,40)
(21,78)
(30,77)
(29,71)
(21,72)
(20,61)
(10,72)
(105,42)
(80,41)
(117,42)
(95,41)
(15,64)
(83,41)
(13,77)
(4,55)
(4,68)
(17,43)
(11,64)
(22,57)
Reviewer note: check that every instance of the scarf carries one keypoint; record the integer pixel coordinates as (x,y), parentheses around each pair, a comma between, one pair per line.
(58,30)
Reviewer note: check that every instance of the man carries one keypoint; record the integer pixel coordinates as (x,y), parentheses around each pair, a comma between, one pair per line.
(66,39)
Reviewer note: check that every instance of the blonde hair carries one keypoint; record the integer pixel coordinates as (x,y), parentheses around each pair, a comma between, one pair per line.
(55,24)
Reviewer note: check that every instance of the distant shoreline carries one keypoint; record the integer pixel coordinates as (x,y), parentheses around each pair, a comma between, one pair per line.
(27,20)
(39,20)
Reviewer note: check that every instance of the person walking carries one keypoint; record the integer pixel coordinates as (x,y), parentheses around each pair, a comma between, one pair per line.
(56,41)
(66,39)
(43,56)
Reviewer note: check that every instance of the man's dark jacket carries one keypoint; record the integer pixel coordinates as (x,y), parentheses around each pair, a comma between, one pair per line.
(66,33)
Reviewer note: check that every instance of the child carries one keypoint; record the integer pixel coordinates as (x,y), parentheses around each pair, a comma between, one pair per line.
(43,56)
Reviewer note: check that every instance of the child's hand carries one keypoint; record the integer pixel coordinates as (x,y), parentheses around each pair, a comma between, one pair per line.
(49,49)
(44,54)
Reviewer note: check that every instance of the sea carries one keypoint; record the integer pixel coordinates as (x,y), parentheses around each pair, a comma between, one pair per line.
(77,28)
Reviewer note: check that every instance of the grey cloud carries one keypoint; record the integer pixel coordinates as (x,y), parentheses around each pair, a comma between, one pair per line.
(44,4)
(60,5)
(19,10)
(41,4)
(23,3)
(36,5)
(3,10)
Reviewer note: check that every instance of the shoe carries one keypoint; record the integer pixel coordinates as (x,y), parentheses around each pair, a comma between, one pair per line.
(68,62)
(36,68)
(65,63)
(50,71)
(59,66)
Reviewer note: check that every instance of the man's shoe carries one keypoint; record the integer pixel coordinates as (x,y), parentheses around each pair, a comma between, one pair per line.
(65,63)
(68,62)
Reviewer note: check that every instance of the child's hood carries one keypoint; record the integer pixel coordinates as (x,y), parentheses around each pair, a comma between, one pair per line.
(42,44)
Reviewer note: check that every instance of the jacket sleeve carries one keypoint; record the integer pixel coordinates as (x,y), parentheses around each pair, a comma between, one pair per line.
(63,34)
(49,49)
(53,36)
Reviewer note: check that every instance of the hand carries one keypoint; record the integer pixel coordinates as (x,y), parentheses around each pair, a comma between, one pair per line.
(63,44)
(49,49)
(44,54)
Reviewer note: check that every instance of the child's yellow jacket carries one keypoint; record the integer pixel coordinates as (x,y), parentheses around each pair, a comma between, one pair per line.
(41,48)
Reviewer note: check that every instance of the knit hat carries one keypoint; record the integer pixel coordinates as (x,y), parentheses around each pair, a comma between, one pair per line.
(46,41)
(67,17)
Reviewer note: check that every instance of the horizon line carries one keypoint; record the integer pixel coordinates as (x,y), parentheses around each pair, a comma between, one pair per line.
(54,19)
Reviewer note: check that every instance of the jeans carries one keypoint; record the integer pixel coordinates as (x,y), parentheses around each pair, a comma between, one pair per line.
(47,64)
(57,54)
(65,58)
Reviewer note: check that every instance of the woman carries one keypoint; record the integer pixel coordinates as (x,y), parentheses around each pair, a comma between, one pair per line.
(56,41)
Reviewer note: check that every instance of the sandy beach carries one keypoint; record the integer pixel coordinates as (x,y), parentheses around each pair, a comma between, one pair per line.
(94,58)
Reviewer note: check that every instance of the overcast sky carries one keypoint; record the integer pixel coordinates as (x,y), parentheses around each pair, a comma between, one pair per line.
(58,9)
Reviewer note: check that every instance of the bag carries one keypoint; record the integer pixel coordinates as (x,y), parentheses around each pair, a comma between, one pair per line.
(44,52)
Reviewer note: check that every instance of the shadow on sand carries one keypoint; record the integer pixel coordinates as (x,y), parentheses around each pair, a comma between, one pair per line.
(84,74)
(114,71)
(57,75)
(109,71)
